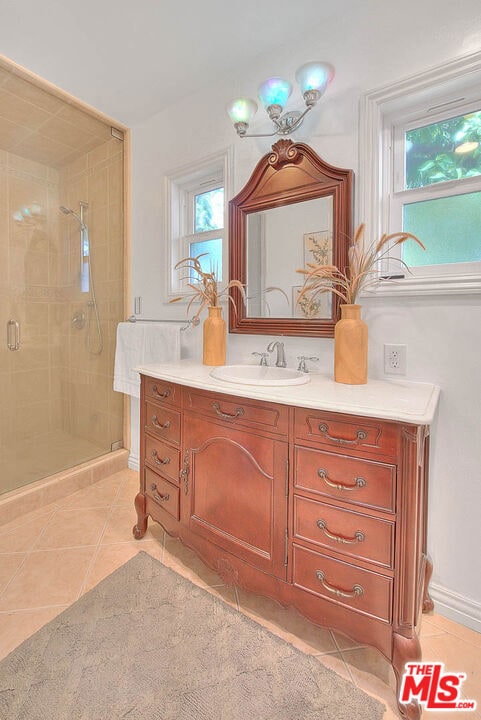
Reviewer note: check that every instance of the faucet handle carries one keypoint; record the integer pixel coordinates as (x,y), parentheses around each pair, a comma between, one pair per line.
(263,357)
(302,362)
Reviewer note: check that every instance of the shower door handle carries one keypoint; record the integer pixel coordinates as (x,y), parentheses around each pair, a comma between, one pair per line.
(13,335)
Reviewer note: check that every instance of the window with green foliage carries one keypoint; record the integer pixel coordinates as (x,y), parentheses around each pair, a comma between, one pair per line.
(442,151)
(436,192)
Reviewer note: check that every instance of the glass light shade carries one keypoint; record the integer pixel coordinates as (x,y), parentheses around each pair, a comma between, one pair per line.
(242,110)
(314,76)
(275,91)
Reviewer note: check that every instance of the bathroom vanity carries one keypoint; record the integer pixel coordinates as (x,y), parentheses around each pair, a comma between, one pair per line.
(315,495)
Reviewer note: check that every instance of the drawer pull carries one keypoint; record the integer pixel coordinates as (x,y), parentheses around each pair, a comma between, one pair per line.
(358,535)
(159,461)
(238,413)
(360,435)
(359,482)
(356,591)
(156,496)
(155,391)
(158,425)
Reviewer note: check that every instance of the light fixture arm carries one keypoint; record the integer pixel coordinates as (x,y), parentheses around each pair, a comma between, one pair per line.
(285,125)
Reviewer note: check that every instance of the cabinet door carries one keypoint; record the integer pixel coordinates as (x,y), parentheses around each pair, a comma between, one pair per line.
(236,492)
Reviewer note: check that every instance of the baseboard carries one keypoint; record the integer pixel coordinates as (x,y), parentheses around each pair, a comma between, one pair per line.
(134,461)
(456,607)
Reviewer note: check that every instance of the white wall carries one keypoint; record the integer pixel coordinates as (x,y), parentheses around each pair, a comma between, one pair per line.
(383,42)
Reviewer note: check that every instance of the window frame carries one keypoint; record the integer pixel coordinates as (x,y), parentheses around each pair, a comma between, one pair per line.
(418,100)
(180,187)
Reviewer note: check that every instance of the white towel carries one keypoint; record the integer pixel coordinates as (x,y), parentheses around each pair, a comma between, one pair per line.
(141,343)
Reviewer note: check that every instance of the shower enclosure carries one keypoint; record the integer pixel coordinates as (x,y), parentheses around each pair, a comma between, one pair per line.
(61,282)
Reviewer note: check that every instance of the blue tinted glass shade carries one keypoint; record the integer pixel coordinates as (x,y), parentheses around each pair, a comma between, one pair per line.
(242,110)
(209,210)
(212,262)
(275,91)
(314,76)
(449,227)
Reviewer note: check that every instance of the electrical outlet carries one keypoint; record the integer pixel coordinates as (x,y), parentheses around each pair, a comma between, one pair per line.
(395,359)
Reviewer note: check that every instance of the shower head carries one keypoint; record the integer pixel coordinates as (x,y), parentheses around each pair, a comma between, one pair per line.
(69,211)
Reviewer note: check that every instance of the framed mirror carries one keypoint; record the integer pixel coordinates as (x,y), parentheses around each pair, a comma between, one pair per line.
(294,209)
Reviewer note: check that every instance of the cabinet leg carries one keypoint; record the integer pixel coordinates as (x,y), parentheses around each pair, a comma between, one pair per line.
(428,604)
(140,528)
(405,650)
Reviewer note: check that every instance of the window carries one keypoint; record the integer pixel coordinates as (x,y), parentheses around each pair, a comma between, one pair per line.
(420,159)
(436,192)
(196,204)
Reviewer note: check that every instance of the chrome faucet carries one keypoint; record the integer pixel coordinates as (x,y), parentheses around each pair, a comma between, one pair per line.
(263,358)
(281,358)
(303,364)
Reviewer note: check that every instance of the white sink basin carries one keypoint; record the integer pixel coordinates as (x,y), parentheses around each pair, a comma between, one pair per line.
(259,375)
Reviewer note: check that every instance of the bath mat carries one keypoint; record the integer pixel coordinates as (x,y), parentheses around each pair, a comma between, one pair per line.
(147,644)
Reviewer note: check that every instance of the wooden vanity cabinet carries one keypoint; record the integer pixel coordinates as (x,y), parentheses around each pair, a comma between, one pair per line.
(322,511)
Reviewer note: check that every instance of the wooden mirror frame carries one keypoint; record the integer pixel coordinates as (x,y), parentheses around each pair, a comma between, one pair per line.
(290,173)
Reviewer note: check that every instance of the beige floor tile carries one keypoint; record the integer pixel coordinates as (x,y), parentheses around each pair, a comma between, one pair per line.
(48,577)
(21,536)
(286,623)
(373,674)
(335,662)
(9,565)
(15,627)
(457,656)
(441,623)
(128,489)
(121,521)
(73,528)
(181,559)
(101,494)
(111,557)
(343,642)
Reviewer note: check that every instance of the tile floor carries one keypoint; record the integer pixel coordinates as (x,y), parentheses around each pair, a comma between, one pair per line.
(53,555)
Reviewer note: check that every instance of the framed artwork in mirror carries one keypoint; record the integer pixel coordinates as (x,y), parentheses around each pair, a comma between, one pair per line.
(294,209)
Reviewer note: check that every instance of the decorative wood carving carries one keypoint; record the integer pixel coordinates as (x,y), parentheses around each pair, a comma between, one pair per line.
(290,173)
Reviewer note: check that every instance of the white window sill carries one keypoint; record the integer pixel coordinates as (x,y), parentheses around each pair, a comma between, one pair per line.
(434,285)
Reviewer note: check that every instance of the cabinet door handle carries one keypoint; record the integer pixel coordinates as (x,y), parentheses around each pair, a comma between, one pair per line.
(357,590)
(359,482)
(238,412)
(160,461)
(158,425)
(360,435)
(163,395)
(358,535)
(157,496)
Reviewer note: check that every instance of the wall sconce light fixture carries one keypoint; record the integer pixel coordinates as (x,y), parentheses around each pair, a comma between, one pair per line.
(312,78)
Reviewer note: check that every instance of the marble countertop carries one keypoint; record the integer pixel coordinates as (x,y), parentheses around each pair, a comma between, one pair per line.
(400,401)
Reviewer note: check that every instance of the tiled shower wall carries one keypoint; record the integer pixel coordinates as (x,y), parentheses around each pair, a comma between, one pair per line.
(93,410)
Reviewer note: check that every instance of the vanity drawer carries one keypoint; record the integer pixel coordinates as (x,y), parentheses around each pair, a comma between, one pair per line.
(241,412)
(163,422)
(364,482)
(162,493)
(163,458)
(342,583)
(346,432)
(347,532)
(162,391)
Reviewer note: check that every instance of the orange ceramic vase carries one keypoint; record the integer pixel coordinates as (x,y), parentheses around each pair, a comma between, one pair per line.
(214,331)
(350,347)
